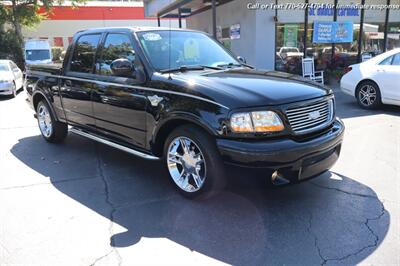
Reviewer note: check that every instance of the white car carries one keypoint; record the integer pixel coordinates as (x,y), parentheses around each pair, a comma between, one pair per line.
(374,82)
(285,52)
(11,78)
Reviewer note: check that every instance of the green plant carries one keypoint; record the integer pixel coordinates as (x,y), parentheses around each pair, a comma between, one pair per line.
(10,48)
(336,73)
(26,13)
(57,52)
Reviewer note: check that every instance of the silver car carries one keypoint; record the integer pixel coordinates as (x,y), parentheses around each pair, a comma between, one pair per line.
(11,78)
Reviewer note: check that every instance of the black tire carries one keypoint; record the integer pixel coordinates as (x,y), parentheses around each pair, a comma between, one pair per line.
(59,130)
(368,95)
(214,170)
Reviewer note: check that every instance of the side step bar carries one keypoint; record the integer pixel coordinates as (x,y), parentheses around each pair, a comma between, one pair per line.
(112,144)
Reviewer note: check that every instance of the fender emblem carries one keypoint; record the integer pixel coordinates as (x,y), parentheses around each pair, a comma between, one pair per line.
(314,115)
(155,100)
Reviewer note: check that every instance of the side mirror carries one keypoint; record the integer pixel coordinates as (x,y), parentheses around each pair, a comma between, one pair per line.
(241,59)
(122,68)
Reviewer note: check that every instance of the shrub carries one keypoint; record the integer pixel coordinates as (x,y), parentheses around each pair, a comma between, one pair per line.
(57,54)
(10,48)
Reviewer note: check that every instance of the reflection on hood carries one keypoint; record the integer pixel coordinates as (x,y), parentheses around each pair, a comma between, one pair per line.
(6,75)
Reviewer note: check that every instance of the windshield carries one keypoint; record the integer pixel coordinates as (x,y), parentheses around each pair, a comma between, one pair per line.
(3,67)
(34,55)
(184,49)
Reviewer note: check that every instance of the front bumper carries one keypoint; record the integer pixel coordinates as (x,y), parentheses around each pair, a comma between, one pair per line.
(6,88)
(296,159)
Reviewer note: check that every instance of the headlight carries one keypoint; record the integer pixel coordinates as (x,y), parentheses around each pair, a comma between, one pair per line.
(261,121)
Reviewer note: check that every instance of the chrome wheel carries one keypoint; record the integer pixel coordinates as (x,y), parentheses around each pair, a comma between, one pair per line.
(45,124)
(367,95)
(186,164)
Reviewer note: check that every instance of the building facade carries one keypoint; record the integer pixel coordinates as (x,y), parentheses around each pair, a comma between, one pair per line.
(64,21)
(276,34)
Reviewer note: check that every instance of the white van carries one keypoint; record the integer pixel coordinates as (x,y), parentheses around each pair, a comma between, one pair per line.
(37,52)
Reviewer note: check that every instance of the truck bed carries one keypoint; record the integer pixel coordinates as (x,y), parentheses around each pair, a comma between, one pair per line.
(54,69)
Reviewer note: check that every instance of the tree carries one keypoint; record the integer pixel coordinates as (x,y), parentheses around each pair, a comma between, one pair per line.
(26,13)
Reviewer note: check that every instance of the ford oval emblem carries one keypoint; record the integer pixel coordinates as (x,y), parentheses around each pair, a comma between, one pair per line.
(314,115)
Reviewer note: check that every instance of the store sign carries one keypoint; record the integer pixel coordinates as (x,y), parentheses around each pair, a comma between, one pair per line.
(341,12)
(333,32)
(394,29)
(290,35)
(235,32)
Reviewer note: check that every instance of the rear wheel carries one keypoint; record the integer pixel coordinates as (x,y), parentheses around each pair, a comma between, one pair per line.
(52,130)
(368,95)
(193,161)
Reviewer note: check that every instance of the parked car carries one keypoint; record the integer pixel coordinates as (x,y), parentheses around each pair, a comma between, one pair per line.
(285,52)
(11,78)
(37,52)
(374,82)
(180,96)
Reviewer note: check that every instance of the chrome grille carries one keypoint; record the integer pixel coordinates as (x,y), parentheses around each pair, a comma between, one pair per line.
(310,117)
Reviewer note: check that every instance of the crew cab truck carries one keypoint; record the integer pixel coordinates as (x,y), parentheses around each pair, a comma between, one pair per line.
(180,96)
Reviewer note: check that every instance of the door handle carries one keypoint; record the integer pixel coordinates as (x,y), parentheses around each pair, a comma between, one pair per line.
(380,70)
(68,83)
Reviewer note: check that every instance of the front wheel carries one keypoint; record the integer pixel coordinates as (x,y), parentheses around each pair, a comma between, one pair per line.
(52,130)
(193,161)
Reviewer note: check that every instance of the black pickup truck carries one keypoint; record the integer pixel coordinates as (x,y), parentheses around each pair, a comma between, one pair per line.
(181,96)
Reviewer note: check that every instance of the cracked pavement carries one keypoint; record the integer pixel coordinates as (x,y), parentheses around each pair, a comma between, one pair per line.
(82,203)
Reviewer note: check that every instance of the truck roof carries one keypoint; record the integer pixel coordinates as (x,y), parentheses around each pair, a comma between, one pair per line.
(33,44)
(134,28)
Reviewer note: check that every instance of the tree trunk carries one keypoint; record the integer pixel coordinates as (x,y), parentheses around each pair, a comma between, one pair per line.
(16,23)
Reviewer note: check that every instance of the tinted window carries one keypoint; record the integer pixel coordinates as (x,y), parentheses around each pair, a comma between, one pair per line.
(116,46)
(173,49)
(34,55)
(396,60)
(84,52)
(387,61)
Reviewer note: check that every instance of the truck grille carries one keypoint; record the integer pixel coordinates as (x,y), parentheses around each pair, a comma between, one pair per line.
(310,117)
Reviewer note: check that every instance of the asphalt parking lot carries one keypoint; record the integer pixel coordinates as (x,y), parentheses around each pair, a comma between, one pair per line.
(83,203)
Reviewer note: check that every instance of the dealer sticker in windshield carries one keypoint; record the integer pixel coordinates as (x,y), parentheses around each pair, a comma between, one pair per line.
(152,36)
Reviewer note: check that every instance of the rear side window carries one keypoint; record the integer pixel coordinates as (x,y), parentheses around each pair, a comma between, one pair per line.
(13,66)
(387,61)
(396,60)
(116,46)
(84,52)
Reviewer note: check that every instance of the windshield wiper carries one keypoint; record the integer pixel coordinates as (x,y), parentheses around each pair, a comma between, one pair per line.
(189,68)
(228,65)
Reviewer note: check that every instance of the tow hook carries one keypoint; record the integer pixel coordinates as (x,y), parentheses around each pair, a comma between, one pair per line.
(278,179)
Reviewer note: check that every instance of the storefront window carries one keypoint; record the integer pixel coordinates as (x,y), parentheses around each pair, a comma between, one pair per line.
(289,47)
(289,38)
(373,31)
(321,52)
(393,38)
(346,52)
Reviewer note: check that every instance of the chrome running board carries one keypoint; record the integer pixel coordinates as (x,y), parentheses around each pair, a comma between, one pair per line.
(112,144)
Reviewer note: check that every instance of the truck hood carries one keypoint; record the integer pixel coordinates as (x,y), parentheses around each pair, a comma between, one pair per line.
(251,88)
